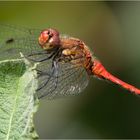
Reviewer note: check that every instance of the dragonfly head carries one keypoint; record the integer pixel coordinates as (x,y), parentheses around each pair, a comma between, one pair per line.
(49,39)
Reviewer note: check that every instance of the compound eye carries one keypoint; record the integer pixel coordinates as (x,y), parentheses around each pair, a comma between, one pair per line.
(49,39)
(44,37)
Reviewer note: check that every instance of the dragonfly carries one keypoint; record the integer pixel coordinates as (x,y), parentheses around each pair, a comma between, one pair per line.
(65,63)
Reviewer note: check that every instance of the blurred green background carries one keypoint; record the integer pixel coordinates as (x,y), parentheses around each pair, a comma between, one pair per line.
(112,29)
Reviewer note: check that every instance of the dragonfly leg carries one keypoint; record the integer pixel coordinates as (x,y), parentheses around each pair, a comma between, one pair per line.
(41,73)
(43,85)
(38,53)
(55,73)
(56,78)
(41,60)
(51,75)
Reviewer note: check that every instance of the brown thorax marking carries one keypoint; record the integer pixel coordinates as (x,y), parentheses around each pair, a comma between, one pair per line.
(76,52)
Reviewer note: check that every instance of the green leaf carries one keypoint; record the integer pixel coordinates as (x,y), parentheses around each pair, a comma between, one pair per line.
(17,104)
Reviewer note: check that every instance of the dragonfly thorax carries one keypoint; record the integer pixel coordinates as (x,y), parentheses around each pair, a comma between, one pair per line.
(75,51)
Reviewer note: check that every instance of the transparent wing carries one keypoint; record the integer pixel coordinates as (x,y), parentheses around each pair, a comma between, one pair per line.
(71,80)
(17,39)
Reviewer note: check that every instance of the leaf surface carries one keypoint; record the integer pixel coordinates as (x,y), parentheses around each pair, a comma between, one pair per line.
(17,104)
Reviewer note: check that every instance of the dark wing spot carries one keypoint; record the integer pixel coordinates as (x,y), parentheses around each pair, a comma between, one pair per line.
(11,40)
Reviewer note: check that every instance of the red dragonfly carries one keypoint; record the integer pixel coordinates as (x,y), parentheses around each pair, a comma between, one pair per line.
(66,63)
